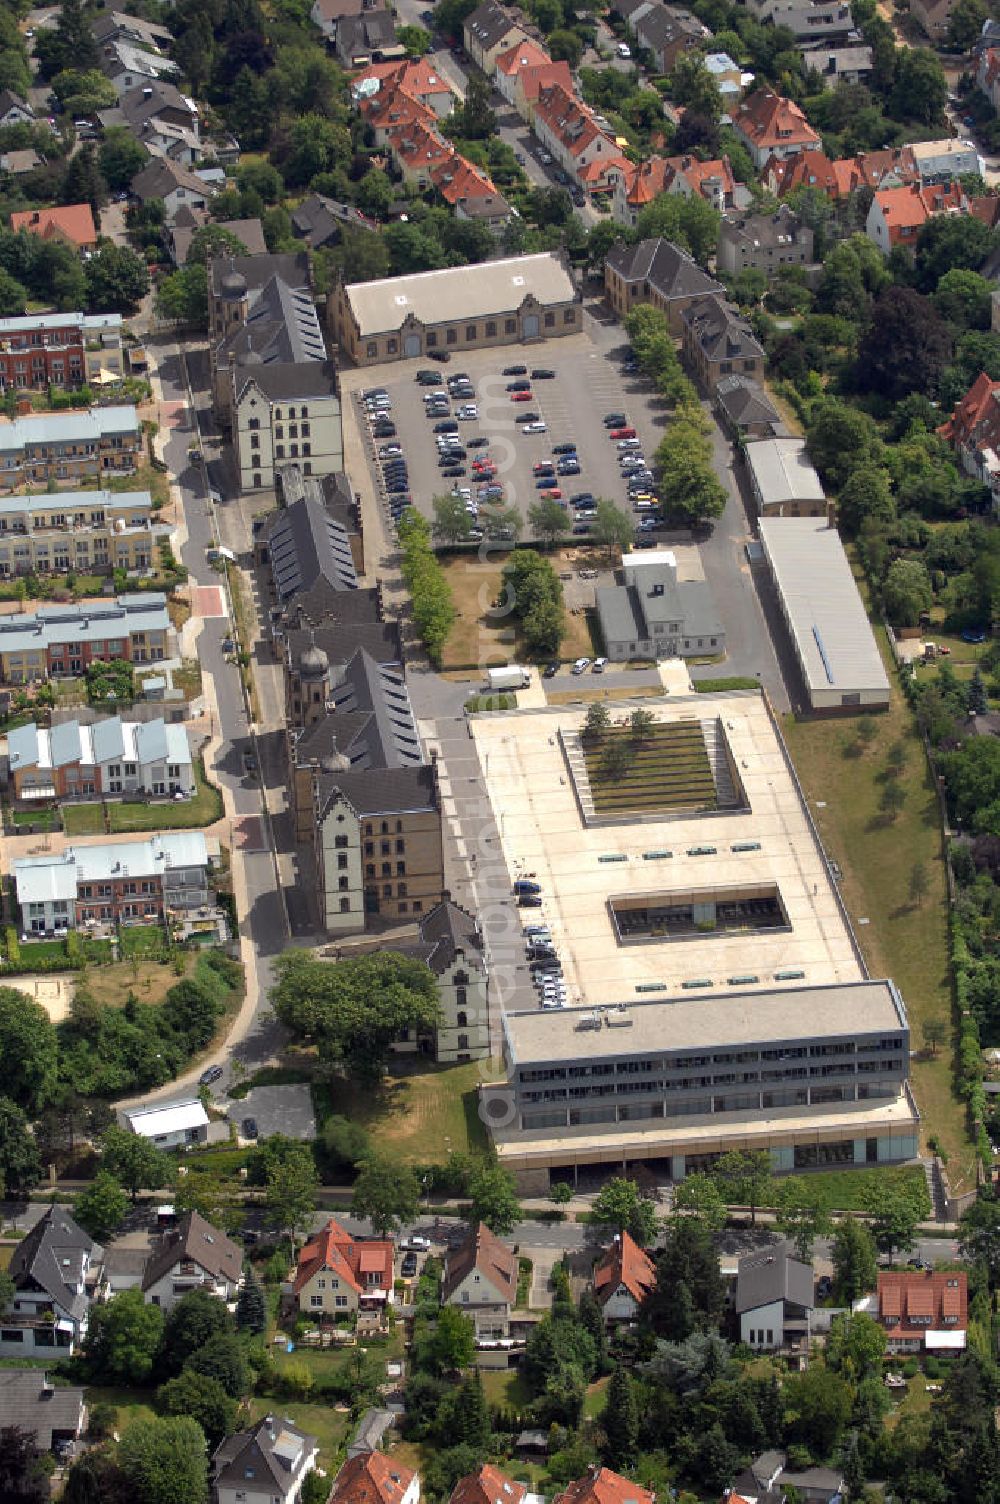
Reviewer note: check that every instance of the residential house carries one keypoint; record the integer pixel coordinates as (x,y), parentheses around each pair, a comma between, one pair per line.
(109,758)
(728,76)
(771,126)
(745,410)
(192,1256)
(623,1277)
(417,78)
(525,53)
(487,32)
(116,26)
(265,1464)
(163,119)
(127,67)
(566,126)
(249,232)
(897,215)
(480,1278)
(368,37)
(14,110)
(55,1418)
(90,531)
(487,209)
(70,224)
(173,184)
(129,882)
(374,1478)
(922,1311)
(56,1273)
(763,243)
(769,1480)
(774,1299)
(58,640)
(944,161)
(19,163)
(491,303)
(782,480)
(39,350)
(819,23)
(851,64)
(973,431)
(530,83)
(321,221)
(718,341)
(601,1486)
(643,182)
(68,446)
(652,614)
(450,942)
(658,272)
(987,75)
(327,14)
(666,32)
(933,17)
(169,1125)
(488,1486)
(338,1274)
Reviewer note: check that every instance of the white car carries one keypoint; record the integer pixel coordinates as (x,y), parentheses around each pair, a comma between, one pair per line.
(580,666)
(600,664)
(534,428)
(625,444)
(624,50)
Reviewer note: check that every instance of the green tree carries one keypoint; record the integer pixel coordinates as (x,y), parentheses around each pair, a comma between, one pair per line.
(121,157)
(692,86)
(374,193)
(134,1161)
(102,1207)
(692,223)
(802,1216)
(919,883)
(28,1051)
(204,1399)
(290,1183)
(23,1478)
(84,182)
(548,520)
(979,1236)
(491,1189)
(453,1344)
(474,120)
(223,1358)
(164,1460)
(123,1339)
(346,1142)
(921,89)
(866,496)
(965,23)
(856,1346)
(817,1407)
(962,298)
(596,721)
(182,297)
(213,240)
(698,1196)
(19,1166)
(907,592)
(212,1197)
(744,1177)
(451,520)
(117,280)
(621,1421)
(13,296)
(251,1311)
(690,488)
(386,1192)
(565,46)
(415,39)
(839,439)
(621,1205)
(612,528)
(894,1208)
(194,1320)
(70,44)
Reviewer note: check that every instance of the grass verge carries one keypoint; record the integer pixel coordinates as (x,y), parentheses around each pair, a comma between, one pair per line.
(479,637)
(418,1116)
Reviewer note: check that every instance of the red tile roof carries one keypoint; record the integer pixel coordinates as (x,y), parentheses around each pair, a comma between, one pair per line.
(533,80)
(811,169)
(987,208)
(625,1263)
(73,222)
(571,121)
(770,121)
(602,1486)
(337,1251)
(908,208)
(526,54)
(371,1478)
(918,1301)
(975,422)
(488,1486)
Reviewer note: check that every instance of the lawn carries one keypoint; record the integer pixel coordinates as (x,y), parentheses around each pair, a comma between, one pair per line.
(480,637)
(149,980)
(905,938)
(6,1254)
(420,1115)
(131,1404)
(844,1190)
(38,819)
(330,1427)
(667,769)
(188,814)
(83,819)
(505,1388)
(187,678)
(145,478)
(595,1399)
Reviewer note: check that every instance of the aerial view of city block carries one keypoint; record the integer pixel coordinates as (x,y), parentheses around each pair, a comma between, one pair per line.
(500,752)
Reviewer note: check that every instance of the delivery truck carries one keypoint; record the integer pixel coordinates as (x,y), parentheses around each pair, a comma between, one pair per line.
(511,676)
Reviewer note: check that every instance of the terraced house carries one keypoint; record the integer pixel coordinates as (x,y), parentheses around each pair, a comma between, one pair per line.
(79,530)
(68,446)
(111,757)
(59,349)
(59,640)
(127,882)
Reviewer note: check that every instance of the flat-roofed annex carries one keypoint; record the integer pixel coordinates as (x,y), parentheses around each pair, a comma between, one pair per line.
(582,868)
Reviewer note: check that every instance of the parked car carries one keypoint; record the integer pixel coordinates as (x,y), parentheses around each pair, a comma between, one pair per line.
(569,467)
(535,426)
(479,442)
(580,666)
(447,425)
(614,420)
(624,50)
(550,670)
(544,467)
(514,371)
(427,378)
(526,885)
(541,375)
(567,448)
(552,494)
(248,1128)
(442,355)
(526,417)
(518,386)
(600,664)
(623,433)
(207,1077)
(408,1267)
(529,901)
(520,396)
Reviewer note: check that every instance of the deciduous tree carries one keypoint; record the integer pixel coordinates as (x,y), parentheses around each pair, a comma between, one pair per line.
(621,1205)
(123,1339)
(386,1192)
(28,1051)
(494,1201)
(134,1161)
(102,1207)
(203,1398)
(165,1460)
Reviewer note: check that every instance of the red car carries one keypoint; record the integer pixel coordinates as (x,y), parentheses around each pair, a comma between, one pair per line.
(622,433)
(520,396)
(553,495)
(544,467)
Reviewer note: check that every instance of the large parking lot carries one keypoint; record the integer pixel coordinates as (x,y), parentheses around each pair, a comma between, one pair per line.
(586,386)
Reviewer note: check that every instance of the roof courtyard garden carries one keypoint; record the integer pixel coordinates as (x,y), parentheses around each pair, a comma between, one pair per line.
(639,765)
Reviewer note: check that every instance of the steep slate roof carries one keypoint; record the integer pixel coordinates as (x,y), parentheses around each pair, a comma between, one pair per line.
(319,220)
(198,1240)
(28,1400)
(292,267)
(54,1251)
(745,402)
(489,24)
(306,544)
(350,1259)
(671,271)
(270,1455)
(376,790)
(365,32)
(770,1276)
(447,930)
(250,232)
(602,1486)
(161,176)
(371,707)
(488,1486)
(484,1251)
(624,1263)
(371,1478)
(720,331)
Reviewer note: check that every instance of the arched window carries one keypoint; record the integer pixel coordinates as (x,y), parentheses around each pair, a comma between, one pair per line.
(461,1020)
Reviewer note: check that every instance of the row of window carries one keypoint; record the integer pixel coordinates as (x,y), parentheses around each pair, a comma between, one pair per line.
(471,333)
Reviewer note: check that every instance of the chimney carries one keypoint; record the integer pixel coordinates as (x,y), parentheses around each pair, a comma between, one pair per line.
(831,513)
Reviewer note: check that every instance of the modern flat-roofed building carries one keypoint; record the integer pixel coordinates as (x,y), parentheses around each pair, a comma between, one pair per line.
(58,640)
(127,882)
(461,308)
(783,481)
(831,635)
(60,531)
(66,446)
(59,349)
(169,1125)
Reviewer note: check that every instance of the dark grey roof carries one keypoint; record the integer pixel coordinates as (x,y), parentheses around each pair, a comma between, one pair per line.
(28,1400)
(379,639)
(155,98)
(383,732)
(334,492)
(292,267)
(780,228)
(365,33)
(668,269)
(54,1252)
(448,929)
(161,176)
(249,232)
(125,1261)
(306,544)
(745,402)
(371,1430)
(380,791)
(661,25)
(322,606)
(271,1453)
(767,1478)
(773,1275)
(198,1240)
(628,612)
(489,24)
(11,101)
(320,220)
(288,382)
(720,331)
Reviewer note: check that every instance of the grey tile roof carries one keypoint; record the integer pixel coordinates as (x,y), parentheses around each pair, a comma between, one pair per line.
(489,24)
(389,737)
(667,268)
(745,402)
(721,332)
(28,1400)
(374,29)
(380,791)
(323,606)
(292,267)
(162,176)
(320,220)
(55,1250)
(380,639)
(250,232)
(448,929)
(271,1453)
(306,544)
(763,230)
(771,1275)
(288,382)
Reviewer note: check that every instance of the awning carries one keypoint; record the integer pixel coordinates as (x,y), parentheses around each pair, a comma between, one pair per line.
(944,1341)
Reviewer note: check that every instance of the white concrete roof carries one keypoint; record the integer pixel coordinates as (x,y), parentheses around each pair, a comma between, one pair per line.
(36,876)
(782,472)
(460,292)
(172,1117)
